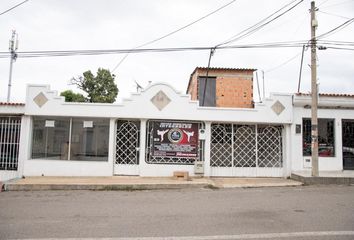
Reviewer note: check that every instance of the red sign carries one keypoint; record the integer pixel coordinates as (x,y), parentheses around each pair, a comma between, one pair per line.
(175,139)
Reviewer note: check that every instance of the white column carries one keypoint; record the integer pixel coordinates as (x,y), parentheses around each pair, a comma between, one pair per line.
(207,169)
(112,144)
(287,149)
(142,164)
(338,141)
(25,144)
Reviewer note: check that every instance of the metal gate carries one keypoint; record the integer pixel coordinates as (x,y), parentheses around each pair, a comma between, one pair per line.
(127,147)
(9,142)
(348,144)
(246,150)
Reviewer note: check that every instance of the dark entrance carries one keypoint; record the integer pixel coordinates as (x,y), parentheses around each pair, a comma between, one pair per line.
(348,144)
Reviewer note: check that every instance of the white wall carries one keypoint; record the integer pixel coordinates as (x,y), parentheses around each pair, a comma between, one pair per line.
(8,175)
(325,163)
(140,107)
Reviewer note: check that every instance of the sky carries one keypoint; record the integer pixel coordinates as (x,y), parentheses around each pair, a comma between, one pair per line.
(45,25)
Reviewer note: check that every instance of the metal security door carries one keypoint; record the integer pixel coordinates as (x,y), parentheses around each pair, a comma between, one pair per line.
(246,150)
(127,148)
(348,144)
(9,142)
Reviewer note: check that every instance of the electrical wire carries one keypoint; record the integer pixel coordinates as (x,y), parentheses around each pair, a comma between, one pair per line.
(8,10)
(173,32)
(336,29)
(332,14)
(289,44)
(339,48)
(260,24)
(282,64)
(29,54)
(337,4)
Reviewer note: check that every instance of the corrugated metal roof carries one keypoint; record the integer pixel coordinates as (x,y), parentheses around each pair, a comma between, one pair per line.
(328,95)
(11,104)
(220,68)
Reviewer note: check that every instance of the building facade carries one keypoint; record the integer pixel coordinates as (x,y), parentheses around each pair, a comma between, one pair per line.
(160,130)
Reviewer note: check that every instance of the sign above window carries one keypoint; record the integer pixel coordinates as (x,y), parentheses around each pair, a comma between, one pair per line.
(88,124)
(49,123)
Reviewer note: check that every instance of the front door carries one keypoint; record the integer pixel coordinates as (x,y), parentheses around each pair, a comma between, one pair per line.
(348,144)
(127,148)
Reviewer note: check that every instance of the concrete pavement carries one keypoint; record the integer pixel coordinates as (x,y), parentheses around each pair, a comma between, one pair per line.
(325,177)
(139,183)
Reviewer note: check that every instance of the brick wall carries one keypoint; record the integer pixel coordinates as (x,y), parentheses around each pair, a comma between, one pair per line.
(234,87)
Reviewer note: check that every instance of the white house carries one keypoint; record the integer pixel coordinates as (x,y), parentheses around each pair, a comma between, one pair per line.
(160,130)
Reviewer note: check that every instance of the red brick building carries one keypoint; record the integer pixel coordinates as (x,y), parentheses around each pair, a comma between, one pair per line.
(225,87)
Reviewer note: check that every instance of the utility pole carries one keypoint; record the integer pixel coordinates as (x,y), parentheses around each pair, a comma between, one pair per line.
(314,94)
(13,45)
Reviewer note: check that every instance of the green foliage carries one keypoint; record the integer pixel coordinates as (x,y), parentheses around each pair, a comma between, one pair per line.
(100,88)
(70,96)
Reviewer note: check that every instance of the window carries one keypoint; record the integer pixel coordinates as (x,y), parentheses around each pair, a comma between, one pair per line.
(50,137)
(89,139)
(325,137)
(209,89)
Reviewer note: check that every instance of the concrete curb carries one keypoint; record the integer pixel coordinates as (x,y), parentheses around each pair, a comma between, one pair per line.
(323,180)
(101,187)
(134,184)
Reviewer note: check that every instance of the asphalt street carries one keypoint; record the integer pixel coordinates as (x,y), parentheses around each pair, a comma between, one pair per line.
(310,212)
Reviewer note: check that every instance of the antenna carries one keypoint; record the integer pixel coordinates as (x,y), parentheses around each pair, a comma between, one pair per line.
(138,86)
(263,85)
(13,46)
(259,92)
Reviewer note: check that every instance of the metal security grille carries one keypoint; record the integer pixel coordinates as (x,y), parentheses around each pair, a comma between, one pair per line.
(170,160)
(221,145)
(127,142)
(9,142)
(246,146)
(269,147)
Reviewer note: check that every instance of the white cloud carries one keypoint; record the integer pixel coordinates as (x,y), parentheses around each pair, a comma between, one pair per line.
(111,24)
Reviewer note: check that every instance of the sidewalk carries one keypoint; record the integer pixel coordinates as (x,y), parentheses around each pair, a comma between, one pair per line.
(139,183)
(325,177)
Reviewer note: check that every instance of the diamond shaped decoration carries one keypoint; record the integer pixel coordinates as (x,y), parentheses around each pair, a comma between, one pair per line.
(40,99)
(160,100)
(278,108)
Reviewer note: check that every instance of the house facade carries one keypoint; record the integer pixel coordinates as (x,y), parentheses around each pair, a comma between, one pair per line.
(160,130)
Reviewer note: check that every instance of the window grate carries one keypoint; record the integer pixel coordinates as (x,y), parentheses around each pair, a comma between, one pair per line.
(10,128)
(127,142)
(246,146)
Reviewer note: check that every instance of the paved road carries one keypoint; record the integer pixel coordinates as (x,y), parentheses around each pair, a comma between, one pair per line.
(325,212)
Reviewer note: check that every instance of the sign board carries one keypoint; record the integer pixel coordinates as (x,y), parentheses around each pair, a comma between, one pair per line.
(175,139)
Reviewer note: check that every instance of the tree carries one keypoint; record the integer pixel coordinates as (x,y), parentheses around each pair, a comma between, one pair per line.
(100,88)
(70,96)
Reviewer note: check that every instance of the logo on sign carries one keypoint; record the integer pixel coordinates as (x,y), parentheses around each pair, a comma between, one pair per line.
(175,135)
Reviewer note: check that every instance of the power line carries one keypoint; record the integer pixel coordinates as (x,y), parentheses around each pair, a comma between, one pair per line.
(260,24)
(282,64)
(338,28)
(173,32)
(8,10)
(332,14)
(337,4)
(289,44)
(29,54)
(322,3)
(341,48)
